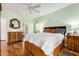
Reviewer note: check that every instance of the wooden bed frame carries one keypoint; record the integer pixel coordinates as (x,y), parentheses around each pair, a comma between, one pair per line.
(33,50)
(57,29)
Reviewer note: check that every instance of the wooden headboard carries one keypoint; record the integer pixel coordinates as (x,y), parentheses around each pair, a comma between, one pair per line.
(57,29)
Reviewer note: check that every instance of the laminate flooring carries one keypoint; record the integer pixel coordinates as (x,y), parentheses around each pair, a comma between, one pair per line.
(15,49)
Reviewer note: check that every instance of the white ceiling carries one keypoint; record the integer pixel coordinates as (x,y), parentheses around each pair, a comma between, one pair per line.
(45,8)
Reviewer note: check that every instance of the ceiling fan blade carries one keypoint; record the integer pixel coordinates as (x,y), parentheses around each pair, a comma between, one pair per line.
(36,11)
(37,6)
(31,8)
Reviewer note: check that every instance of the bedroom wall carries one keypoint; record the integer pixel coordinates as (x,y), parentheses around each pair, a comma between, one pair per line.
(64,17)
(7,15)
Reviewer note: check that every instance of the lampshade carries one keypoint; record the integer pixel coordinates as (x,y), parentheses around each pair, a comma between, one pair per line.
(39,26)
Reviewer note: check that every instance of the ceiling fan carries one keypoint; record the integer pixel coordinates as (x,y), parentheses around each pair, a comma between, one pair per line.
(33,8)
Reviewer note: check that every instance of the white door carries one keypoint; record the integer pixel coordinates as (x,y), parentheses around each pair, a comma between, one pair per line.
(3,29)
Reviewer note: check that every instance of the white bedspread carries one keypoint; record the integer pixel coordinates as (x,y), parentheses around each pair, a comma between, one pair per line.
(46,41)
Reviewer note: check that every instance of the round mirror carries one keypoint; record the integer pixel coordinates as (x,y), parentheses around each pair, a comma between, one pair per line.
(14,23)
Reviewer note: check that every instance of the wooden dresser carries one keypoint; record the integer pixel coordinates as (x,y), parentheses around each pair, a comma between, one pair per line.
(73,44)
(14,37)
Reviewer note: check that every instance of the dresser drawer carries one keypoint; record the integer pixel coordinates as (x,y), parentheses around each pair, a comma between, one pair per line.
(73,43)
(77,47)
(14,37)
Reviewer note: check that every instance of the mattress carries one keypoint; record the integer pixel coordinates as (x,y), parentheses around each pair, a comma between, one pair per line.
(46,41)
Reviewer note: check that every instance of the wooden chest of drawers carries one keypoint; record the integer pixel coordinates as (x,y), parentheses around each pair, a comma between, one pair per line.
(14,37)
(73,43)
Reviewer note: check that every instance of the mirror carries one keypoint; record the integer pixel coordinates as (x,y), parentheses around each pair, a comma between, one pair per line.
(14,23)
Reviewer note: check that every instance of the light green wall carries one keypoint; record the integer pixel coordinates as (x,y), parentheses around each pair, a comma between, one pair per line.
(65,16)
(23,18)
(61,17)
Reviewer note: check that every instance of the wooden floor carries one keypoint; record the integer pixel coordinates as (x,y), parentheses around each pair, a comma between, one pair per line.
(16,49)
